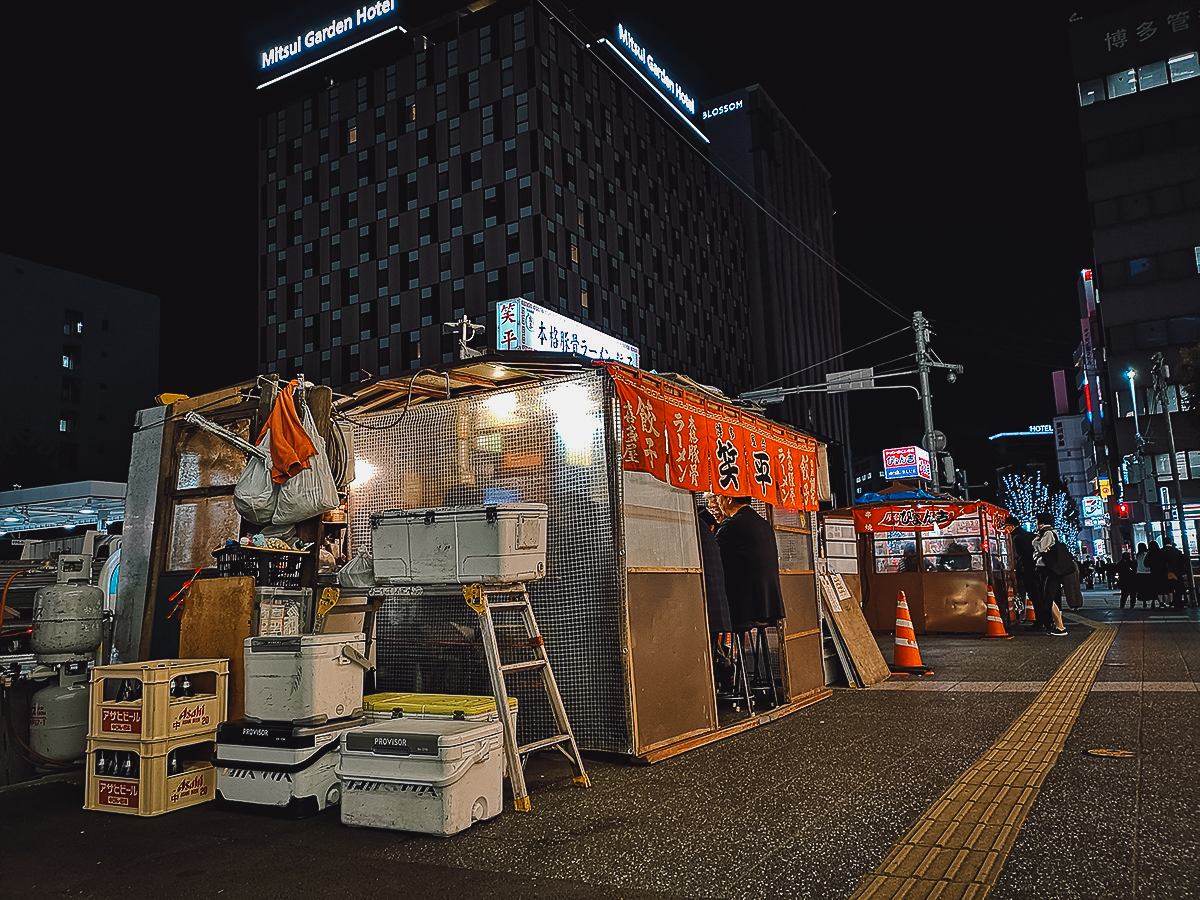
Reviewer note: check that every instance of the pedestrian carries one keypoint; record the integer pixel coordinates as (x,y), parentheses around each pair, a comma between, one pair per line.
(1054,562)
(1176,573)
(1110,571)
(1024,562)
(1142,577)
(1126,572)
(1160,588)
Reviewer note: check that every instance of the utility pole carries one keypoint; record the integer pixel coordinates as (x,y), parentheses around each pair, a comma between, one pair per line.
(921,327)
(1159,373)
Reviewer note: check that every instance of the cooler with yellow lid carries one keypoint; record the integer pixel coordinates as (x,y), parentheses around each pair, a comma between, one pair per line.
(469,708)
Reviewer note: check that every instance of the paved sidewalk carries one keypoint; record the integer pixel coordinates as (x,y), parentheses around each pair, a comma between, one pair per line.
(808,806)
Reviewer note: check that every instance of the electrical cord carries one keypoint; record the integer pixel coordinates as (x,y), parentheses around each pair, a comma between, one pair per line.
(407,403)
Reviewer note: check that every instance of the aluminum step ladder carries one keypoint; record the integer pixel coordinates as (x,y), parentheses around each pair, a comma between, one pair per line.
(516,597)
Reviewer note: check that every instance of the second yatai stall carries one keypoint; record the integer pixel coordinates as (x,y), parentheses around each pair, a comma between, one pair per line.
(942,552)
(615,454)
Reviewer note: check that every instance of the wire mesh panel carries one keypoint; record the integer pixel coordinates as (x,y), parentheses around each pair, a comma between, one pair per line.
(541,443)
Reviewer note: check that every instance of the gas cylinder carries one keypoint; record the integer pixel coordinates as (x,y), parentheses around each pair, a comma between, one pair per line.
(66,621)
(58,722)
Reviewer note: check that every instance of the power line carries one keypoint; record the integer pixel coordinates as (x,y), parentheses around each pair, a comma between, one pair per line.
(832,358)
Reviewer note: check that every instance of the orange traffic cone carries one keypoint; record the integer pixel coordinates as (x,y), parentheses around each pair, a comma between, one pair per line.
(1030,616)
(995,624)
(906,658)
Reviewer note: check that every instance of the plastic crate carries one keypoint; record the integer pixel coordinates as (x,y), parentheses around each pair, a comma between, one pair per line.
(153,792)
(268,568)
(156,714)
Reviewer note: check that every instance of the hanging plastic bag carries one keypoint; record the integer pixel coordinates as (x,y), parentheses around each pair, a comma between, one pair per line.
(310,491)
(359,572)
(256,495)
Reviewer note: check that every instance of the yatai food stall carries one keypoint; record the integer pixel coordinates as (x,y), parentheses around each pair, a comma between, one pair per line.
(618,456)
(943,553)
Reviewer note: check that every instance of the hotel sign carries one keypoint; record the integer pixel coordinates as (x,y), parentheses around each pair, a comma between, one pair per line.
(290,48)
(655,70)
(522,325)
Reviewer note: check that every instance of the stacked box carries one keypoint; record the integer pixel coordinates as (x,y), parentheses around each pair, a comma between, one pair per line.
(150,752)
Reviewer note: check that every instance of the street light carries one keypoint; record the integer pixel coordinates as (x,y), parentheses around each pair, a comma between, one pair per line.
(1131,374)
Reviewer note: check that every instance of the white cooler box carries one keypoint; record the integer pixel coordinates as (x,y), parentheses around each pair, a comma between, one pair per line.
(494,544)
(305,679)
(436,776)
(280,766)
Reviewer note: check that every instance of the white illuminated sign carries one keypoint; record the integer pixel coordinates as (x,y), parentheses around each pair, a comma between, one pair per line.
(721,110)
(673,88)
(325,32)
(522,325)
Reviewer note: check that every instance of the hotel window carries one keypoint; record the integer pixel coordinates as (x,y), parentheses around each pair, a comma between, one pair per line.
(1089,92)
(72,322)
(1152,76)
(70,356)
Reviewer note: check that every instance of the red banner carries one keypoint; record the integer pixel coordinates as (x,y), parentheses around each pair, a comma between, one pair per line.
(699,444)
(909,516)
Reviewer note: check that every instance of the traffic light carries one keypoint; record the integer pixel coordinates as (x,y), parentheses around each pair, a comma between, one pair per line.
(1122,510)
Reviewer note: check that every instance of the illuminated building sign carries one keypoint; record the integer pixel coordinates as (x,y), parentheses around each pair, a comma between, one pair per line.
(325,33)
(906,462)
(521,325)
(658,74)
(721,110)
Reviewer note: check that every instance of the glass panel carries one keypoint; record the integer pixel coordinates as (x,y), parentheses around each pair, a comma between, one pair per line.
(197,528)
(1091,92)
(1152,76)
(795,551)
(953,554)
(961,525)
(1122,83)
(206,460)
(1184,67)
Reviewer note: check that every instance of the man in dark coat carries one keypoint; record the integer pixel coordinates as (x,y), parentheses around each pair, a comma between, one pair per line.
(750,557)
(1028,583)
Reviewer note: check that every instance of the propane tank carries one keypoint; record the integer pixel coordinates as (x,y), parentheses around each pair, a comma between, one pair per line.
(67,615)
(58,722)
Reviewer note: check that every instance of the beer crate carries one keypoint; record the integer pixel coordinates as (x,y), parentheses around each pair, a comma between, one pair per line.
(156,715)
(151,791)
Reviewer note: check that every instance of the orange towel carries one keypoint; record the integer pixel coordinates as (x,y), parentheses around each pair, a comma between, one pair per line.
(291,446)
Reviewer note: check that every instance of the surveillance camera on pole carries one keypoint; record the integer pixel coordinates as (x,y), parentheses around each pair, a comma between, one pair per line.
(467,330)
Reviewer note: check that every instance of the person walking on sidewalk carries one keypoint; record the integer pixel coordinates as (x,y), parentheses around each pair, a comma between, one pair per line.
(1126,571)
(1145,589)
(1054,561)
(1029,583)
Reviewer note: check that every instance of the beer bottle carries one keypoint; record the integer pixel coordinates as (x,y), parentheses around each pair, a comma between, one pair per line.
(185,687)
(126,764)
(173,689)
(100,762)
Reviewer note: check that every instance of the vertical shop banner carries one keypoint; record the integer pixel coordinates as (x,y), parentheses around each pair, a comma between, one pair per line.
(643,428)
(760,449)
(687,437)
(728,445)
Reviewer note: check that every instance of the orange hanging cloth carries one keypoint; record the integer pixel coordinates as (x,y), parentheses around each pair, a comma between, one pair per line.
(291,446)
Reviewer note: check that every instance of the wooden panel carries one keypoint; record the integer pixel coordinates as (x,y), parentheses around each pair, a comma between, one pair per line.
(955,602)
(799,601)
(670,660)
(218,616)
(803,671)
(852,627)
(880,606)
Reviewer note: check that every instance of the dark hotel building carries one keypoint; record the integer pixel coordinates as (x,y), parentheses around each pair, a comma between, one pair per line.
(1138,71)
(413,173)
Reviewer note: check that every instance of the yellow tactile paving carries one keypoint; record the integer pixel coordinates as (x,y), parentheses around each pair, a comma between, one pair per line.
(956,850)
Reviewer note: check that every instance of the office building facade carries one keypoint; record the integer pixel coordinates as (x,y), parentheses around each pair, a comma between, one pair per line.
(1138,71)
(83,360)
(508,151)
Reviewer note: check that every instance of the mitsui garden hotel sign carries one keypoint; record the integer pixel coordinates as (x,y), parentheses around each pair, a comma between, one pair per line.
(358,23)
(522,325)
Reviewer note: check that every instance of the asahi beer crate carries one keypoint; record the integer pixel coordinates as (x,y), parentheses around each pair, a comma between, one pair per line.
(149,778)
(166,698)
(496,543)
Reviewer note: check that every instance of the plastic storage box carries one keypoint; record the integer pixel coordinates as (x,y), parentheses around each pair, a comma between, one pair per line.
(280,766)
(495,544)
(150,790)
(155,714)
(303,679)
(436,776)
(268,568)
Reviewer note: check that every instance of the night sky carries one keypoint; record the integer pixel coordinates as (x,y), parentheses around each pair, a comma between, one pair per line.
(949,131)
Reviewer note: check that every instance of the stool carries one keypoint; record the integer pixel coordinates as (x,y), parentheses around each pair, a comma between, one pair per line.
(759,649)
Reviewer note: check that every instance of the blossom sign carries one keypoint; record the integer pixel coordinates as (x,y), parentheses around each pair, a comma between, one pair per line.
(906,462)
